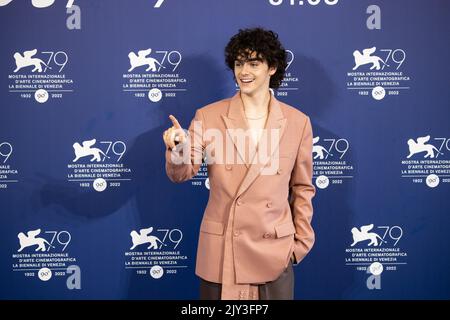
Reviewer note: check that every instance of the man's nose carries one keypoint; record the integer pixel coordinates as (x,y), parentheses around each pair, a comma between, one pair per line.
(245,68)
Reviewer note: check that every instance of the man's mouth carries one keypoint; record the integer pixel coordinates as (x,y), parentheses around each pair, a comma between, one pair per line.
(246,80)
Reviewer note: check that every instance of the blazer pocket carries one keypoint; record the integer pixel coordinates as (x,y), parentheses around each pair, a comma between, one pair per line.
(285,229)
(275,165)
(213,227)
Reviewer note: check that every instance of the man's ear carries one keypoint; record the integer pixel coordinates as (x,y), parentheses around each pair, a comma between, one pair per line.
(272,70)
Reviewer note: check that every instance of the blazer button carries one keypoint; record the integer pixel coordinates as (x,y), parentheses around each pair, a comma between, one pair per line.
(240,202)
(267,235)
(228,167)
(269,204)
(236,233)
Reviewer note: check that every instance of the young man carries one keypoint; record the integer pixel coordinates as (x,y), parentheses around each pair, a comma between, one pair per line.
(259,154)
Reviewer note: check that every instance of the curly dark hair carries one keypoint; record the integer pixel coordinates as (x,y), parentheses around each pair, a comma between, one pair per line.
(267,47)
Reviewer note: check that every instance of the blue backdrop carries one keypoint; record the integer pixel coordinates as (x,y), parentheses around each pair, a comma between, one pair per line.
(372,75)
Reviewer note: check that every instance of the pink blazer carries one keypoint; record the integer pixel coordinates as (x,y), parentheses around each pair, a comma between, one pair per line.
(253,222)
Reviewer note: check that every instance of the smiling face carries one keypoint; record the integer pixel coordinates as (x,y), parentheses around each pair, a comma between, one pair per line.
(252,74)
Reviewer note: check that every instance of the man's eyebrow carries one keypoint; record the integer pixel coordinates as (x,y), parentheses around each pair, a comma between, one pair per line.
(249,59)
(254,59)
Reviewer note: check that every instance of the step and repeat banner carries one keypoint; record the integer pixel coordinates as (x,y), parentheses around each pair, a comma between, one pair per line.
(86,209)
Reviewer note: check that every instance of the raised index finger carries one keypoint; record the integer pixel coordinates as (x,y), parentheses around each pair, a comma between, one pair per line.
(175,122)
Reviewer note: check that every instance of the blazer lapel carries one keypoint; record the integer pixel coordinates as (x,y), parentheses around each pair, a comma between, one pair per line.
(237,128)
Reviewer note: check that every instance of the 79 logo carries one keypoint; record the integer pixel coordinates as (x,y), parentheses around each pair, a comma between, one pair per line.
(56,59)
(154,61)
(87,150)
(323,151)
(6,150)
(444,145)
(173,58)
(59,59)
(32,239)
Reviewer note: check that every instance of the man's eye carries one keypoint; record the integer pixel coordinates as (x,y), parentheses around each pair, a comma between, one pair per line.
(254,64)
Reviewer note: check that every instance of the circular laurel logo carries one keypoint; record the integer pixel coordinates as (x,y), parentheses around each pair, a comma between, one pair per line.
(41,96)
(45,274)
(155,95)
(99,184)
(432,180)
(207,183)
(378,93)
(322,182)
(156,272)
(376,268)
